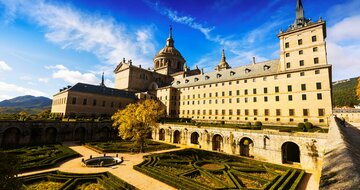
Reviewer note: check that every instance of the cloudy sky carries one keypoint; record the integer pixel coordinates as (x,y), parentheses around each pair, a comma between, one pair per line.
(46,45)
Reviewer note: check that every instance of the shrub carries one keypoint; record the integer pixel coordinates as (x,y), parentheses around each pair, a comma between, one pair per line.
(258,124)
(308,125)
(301,125)
(248,124)
(222,122)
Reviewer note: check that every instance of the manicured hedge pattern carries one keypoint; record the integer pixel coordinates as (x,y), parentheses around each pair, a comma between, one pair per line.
(183,169)
(71,181)
(126,146)
(39,157)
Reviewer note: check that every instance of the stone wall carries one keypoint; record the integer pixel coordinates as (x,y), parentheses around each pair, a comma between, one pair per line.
(341,168)
(266,145)
(15,133)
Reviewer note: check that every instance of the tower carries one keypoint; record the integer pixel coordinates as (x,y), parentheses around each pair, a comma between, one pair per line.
(168,60)
(223,64)
(303,43)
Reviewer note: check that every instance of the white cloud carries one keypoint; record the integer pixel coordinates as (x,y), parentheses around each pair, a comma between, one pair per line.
(8,90)
(68,27)
(4,66)
(73,77)
(343,48)
(43,80)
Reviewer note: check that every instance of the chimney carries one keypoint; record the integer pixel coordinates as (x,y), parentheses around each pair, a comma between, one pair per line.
(253,60)
(140,66)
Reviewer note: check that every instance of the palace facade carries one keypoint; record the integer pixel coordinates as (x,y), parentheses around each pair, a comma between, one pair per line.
(294,88)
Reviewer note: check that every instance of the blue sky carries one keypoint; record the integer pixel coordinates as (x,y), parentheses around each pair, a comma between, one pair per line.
(46,45)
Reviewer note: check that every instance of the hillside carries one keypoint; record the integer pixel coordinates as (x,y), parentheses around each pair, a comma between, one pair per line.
(344,93)
(29,104)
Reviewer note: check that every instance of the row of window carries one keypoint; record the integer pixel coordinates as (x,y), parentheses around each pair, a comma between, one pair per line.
(246,118)
(94,102)
(302,63)
(246,100)
(317,71)
(59,101)
(301,52)
(255,112)
(300,41)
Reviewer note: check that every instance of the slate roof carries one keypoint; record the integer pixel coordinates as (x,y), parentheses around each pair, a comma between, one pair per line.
(101,90)
(248,71)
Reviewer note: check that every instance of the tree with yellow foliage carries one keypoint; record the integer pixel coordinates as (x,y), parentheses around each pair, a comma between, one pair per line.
(137,119)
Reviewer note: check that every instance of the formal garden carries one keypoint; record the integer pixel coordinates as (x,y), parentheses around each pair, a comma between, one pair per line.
(198,170)
(40,157)
(125,146)
(55,180)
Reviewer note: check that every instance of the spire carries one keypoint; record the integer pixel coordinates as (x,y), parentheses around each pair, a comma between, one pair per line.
(170,41)
(223,58)
(300,20)
(102,80)
(223,64)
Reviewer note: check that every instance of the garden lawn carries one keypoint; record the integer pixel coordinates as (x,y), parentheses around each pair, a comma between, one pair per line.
(195,169)
(40,157)
(127,146)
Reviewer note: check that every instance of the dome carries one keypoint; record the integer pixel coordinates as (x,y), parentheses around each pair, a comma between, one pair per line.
(168,50)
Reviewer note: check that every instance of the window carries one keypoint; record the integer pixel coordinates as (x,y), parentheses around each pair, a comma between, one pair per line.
(238,92)
(254,99)
(288,65)
(255,112)
(223,101)
(230,93)
(305,112)
(112,104)
(246,92)
(303,96)
(265,91)
(301,52)
(216,94)
(303,87)
(318,85)
(246,112)
(254,91)
(265,99)
(302,73)
(287,54)
(316,60)
(277,98)
(313,38)
(204,112)
(321,112)
(230,81)
(230,112)
(216,112)
(319,96)
(223,93)
(289,88)
(198,112)
(276,89)
(301,62)
(317,72)
(237,100)
(73,100)
(291,112)
(238,112)
(231,74)
(300,42)
(266,112)
(315,49)
(94,102)
(278,112)
(103,103)
(287,45)
(288,76)
(230,100)
(210,112)
(245,81)
(246,100)
(84,101)
(290,97)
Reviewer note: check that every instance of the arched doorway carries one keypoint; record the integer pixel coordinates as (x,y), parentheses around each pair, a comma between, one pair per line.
(245,145)
(11,137)
(217,141)
(149,135)
(176,137)
(290,153)
(50,135)
(80,134)
(104,133)
(162,134)
(194,138)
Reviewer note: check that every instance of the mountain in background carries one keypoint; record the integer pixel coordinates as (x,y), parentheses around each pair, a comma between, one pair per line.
(29,104)
(344,93)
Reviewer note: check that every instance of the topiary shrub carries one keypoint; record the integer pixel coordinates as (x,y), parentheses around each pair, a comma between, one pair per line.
(301,125)
(222,122)
(248,124)
(258,124)
(308,125)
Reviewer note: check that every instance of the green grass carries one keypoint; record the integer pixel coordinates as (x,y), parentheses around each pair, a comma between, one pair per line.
(195,169)
(126,146)
(67,181)
(39,157)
